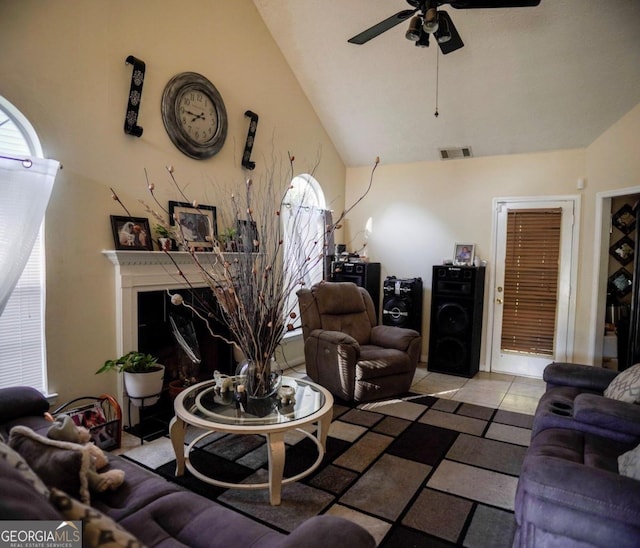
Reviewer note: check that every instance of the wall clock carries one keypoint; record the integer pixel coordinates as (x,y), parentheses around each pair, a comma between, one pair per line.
(194,115)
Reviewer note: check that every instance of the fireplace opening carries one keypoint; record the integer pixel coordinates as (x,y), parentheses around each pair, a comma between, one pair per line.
(158,321)
(156,336)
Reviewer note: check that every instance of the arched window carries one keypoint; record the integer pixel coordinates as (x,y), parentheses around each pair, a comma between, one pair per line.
(22,342)
(305,220)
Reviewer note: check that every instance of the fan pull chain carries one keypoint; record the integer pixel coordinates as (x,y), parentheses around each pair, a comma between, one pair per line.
(436,113)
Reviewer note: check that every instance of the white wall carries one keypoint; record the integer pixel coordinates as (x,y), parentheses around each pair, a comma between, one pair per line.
(418,211)
(63,65)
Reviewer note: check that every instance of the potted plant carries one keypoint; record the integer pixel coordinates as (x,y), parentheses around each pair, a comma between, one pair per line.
(143,376)
(229,239)
(164,239)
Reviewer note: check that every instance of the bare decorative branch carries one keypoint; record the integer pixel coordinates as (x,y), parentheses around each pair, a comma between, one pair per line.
(248,273)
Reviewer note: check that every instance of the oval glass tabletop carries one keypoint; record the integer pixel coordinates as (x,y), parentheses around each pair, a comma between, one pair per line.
(205,402)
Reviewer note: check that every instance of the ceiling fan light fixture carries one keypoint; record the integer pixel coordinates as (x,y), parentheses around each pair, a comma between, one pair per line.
(431,21)
(423,41)
(443,34)
(415,29)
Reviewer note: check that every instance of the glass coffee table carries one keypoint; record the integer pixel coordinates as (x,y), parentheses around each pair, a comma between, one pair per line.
(206,408)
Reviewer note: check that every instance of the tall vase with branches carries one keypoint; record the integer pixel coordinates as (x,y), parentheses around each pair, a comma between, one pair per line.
(252,285)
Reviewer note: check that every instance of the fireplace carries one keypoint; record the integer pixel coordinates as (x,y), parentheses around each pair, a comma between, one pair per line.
(143,311)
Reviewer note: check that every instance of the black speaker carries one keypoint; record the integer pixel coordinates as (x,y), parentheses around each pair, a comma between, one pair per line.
(402,302)
(456,320)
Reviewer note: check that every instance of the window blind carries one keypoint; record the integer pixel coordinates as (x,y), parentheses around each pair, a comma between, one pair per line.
(531,280)
(22,343)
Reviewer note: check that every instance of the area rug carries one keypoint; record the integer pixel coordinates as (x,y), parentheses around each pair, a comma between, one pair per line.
(414,471)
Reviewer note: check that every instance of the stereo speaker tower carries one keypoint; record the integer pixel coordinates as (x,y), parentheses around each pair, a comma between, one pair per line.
(456,320)
(402,302)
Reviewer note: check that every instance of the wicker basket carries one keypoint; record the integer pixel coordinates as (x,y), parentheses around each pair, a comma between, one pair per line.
(101,415)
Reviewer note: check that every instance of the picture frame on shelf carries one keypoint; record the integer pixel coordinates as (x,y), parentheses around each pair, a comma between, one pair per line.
(623,250)
(197,224)
(247,235)
(463,254)
(621,281)
(131,233)
(624,219)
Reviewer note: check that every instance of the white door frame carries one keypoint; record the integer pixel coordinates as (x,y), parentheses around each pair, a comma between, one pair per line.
(600,267)
(571,320)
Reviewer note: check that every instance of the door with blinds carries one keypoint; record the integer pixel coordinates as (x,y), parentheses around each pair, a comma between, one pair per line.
(532,293)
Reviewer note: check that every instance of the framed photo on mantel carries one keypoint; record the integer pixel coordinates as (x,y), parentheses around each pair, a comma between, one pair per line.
(198,225)
(131,233)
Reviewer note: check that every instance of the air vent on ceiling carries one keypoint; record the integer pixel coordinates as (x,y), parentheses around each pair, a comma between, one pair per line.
(455,153)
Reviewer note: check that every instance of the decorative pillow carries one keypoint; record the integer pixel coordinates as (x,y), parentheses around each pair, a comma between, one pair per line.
(626,386)
(15,461)
(629,463)
(59,464)
(98,529)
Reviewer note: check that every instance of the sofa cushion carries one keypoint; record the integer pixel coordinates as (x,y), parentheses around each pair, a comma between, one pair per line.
(59,464)
(140,488)
(16,461)
(187,519)
(19,499)
(626,386)
(570,490)
(98,529)
(378,362)
(342,308)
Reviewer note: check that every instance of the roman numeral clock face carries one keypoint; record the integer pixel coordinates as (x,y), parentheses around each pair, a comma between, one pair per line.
(194,115)
(198,115)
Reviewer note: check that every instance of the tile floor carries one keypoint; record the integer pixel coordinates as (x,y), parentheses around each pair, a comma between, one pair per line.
(497,390)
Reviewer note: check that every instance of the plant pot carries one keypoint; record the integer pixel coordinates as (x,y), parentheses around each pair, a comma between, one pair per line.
(175,387)
(165,244)
(144,388)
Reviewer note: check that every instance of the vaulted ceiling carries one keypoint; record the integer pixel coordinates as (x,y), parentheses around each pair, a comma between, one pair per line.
(529,79)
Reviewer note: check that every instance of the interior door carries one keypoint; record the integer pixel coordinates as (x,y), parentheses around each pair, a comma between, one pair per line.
(532,363)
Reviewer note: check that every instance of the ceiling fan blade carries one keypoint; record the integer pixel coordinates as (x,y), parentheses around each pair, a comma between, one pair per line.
(381,27)
(446,27)
(471,4)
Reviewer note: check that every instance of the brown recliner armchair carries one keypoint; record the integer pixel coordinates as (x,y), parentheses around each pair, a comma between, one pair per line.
(346,352)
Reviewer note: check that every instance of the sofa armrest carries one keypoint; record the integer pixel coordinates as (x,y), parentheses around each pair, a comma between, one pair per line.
(330,359)
(580,376)
(334,337)
(322,531)
(607,413)
(21,401)
(388,336)
(577,503)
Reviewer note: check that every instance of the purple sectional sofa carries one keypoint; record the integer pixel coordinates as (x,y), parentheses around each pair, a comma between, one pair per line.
(574,399)
(155,511)
(570,491)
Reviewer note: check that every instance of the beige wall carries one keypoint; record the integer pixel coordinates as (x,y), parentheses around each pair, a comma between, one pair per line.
(63,65)
(436,204)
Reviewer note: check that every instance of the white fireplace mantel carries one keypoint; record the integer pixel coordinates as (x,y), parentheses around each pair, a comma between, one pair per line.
(140,271)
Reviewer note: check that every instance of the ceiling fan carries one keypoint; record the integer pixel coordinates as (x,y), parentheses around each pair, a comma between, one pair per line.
(430,20)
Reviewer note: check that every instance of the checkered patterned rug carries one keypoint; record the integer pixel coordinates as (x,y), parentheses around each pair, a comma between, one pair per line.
(414,471)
